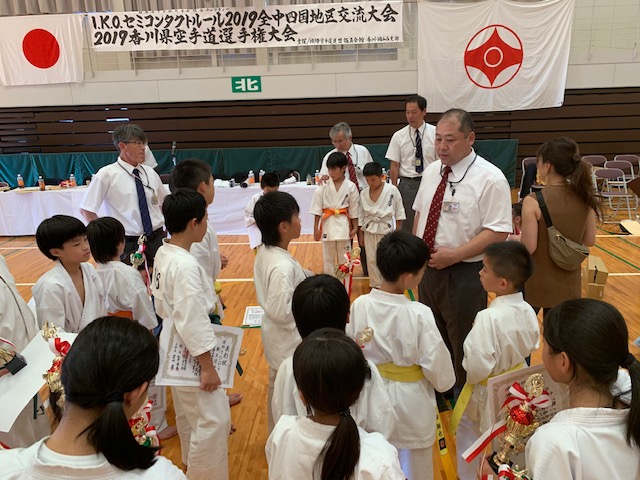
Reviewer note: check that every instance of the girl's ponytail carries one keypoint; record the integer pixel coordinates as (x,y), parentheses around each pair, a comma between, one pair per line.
(111,435)
(633,422)
(342,450)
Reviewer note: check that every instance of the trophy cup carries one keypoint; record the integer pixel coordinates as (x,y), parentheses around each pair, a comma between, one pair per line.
(521,422)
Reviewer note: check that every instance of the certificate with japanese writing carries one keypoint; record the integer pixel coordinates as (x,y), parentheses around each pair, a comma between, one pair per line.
(179,368)
(252,316)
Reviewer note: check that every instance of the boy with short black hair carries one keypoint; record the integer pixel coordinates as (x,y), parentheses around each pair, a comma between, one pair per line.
(381,212)
(70,295)
(319,302)
(184,298)
(276,276)
(196,175)
(402,339)
(336,208)
(502,336)
(269,183)
(125,292)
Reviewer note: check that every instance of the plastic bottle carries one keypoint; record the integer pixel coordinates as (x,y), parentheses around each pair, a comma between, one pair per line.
(20,181)
(41,183)
(252,177)
(261,174)
(317,177)
(308,179)
(384,175)
(72,180)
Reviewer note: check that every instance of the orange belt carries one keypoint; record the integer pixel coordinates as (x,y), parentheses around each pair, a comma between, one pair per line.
(122,313)
(329,212)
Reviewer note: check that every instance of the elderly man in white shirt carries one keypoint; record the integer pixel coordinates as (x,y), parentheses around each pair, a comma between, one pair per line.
(131,192)
(357,155)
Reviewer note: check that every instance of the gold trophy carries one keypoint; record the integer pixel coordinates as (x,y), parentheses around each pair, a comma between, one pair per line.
(521,422)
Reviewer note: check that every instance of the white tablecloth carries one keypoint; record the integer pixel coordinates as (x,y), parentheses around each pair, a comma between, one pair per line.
(22,211)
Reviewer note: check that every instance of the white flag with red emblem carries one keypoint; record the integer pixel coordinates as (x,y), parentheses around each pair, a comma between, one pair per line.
(494,55)
(41,49)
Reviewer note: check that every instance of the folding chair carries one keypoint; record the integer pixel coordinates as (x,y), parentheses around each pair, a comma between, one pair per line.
(634,160)
(595,160)
(528,176)
(614,188)
(627,169)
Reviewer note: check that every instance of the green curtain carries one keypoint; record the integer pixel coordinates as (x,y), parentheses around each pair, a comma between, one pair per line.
(305,160)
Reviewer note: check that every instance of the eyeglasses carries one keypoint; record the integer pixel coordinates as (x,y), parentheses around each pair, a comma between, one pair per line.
(137,143)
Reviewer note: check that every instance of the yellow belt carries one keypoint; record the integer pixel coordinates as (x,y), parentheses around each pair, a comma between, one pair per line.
(391,371)
(465,397)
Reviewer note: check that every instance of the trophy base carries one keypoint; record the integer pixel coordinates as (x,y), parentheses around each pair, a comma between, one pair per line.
(16,364)
(493,464)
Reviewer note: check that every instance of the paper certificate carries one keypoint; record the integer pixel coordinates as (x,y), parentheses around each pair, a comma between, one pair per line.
(179,368)
(498,390)
(253,317)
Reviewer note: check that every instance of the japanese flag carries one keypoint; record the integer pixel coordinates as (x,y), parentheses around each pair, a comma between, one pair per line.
(494,55)
(41,49)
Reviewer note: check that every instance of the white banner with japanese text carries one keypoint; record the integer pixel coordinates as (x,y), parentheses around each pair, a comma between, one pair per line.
(250,27)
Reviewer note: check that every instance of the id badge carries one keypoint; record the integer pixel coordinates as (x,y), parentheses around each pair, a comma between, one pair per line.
(154,199)
(417,162)
(451,207)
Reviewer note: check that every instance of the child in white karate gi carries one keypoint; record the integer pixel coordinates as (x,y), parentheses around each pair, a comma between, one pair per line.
(269,183)
(18,326)
(196,175)
(381,212)
(402,339)
(598,436)
(126,293)
(276,276)
(184,297)
(70,295)
(126,296)
(105,376)
(502,336)
(330,372)
(336,208)
(586,347)
(318,302)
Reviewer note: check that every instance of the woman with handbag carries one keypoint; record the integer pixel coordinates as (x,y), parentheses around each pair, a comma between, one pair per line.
(572,206)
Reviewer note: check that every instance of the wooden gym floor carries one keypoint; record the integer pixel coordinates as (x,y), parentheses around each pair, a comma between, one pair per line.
(621,255)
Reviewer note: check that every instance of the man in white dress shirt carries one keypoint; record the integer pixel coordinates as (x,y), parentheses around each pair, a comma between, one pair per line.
(473,211)
(410,150)
(131,192)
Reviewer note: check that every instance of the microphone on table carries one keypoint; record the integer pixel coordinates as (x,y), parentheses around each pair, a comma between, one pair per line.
(173,153)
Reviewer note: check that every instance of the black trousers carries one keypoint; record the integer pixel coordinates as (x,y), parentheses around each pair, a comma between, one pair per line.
(455,295)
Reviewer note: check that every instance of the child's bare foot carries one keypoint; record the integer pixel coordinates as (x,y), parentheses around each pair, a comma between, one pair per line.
(168,433)
(233,429)
(234,398)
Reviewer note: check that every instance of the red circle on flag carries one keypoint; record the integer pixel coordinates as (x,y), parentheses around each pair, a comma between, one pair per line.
(493,56)
(40,48)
